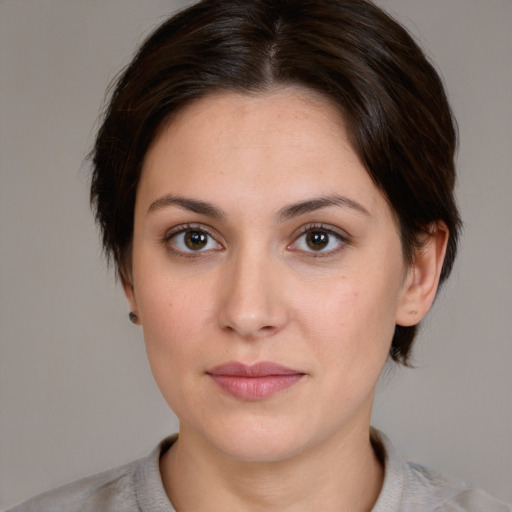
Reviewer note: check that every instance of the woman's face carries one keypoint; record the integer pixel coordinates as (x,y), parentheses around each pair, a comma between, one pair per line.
(267,274)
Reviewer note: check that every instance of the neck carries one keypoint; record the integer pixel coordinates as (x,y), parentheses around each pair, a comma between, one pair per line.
(343,474)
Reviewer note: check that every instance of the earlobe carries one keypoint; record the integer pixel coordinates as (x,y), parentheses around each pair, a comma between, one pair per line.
(422,281)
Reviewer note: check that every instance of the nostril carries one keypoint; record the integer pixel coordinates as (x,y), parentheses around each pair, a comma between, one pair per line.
(249,332)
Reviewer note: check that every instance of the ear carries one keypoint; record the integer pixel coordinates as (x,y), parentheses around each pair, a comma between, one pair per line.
(422,280)
(130,293)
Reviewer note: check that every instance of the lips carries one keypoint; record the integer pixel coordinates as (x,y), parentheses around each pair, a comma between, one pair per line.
(254,382)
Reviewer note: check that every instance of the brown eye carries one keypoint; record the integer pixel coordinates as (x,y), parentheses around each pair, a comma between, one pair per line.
(192,240)
(317,240)
(195,240)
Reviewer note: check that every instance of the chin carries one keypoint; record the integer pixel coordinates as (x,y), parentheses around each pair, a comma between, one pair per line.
(263,448)
(262,439)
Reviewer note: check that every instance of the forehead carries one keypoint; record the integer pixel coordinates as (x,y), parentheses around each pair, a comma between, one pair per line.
(288,139)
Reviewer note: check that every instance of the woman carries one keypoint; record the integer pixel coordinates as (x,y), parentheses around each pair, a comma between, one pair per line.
(274,182)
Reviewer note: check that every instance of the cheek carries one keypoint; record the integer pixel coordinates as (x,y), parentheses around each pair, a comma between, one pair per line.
(171,303)
(352,320)
(173,315)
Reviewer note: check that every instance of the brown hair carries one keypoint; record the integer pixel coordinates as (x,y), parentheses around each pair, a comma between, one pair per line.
(390,96)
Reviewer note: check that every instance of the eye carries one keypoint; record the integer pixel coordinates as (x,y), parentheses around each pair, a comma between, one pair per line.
(192,240)
(318,240)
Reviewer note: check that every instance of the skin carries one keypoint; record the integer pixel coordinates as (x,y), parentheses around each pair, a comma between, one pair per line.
(258,292)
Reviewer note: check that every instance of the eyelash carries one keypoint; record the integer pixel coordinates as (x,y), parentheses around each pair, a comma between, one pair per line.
(328,230)
(182,229)
(304,230)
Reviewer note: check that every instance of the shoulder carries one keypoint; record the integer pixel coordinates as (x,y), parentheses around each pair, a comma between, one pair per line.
(447,494)
(134,487)
(410,487)
(111,490)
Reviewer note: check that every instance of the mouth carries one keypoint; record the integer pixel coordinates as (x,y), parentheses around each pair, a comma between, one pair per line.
(254,382)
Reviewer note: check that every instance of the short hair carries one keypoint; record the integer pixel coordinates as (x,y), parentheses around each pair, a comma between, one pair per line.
(390,96)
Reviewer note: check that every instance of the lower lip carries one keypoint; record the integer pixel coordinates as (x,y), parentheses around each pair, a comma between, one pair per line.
(255,388)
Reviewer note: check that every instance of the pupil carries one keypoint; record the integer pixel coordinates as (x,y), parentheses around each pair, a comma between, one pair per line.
(317,240)
(195,240)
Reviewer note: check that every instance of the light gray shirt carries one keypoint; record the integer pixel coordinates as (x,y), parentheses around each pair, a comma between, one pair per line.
(137,487)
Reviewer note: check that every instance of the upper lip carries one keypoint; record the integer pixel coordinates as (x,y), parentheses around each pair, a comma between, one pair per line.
(261,369)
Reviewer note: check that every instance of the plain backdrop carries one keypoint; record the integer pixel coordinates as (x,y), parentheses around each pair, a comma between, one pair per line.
(76,393)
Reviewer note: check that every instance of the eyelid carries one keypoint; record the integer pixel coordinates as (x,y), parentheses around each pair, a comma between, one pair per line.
(183,228)
(339,234)
(187,226)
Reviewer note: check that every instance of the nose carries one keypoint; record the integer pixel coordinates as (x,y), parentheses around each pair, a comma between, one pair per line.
(253,304)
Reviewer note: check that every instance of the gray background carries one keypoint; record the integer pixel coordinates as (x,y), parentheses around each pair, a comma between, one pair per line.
(76,392)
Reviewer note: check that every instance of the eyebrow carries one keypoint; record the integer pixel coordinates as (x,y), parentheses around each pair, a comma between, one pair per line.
(193,205)
(311,205)
(286,213)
